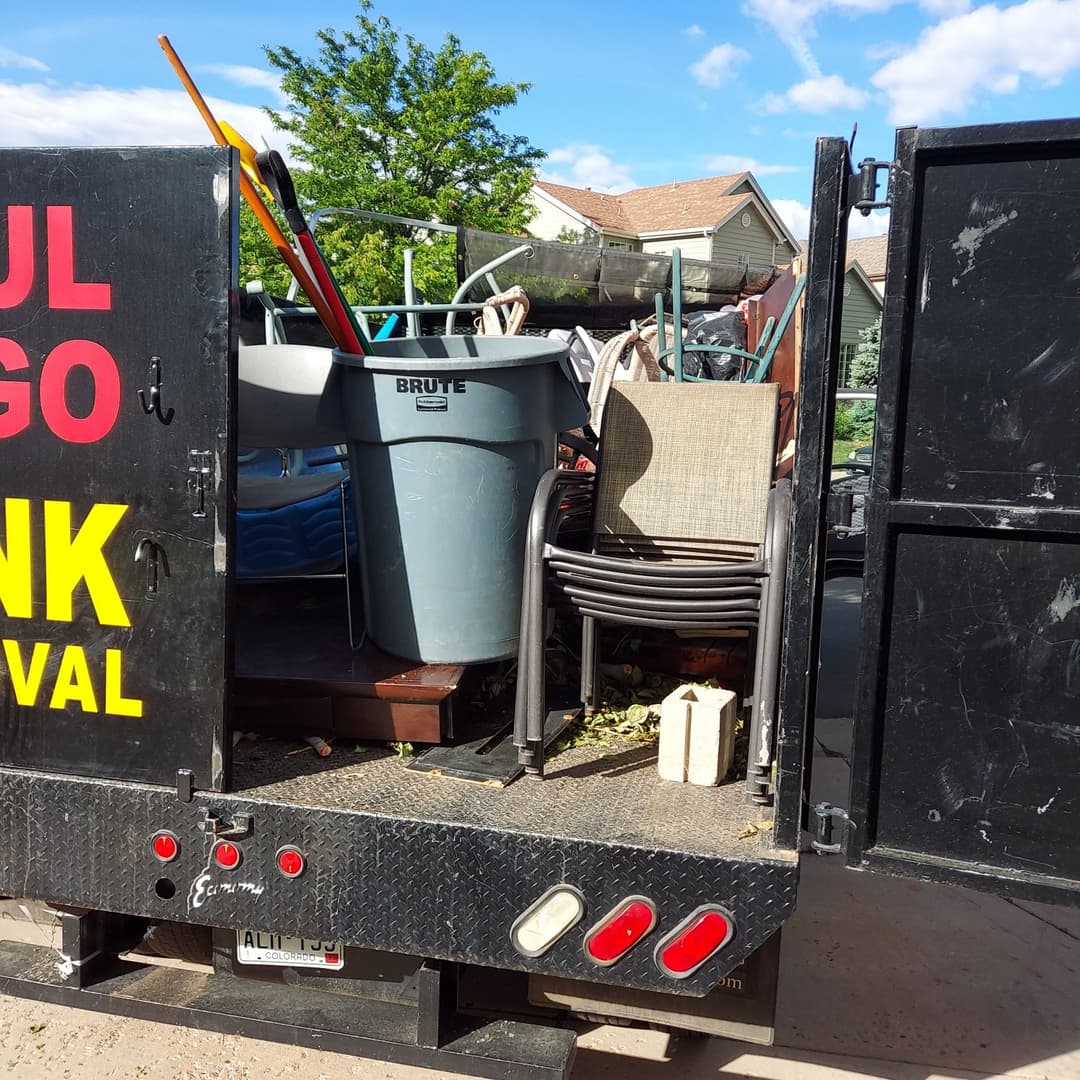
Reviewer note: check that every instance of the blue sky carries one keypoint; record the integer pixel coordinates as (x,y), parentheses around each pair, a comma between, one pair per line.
(623,94)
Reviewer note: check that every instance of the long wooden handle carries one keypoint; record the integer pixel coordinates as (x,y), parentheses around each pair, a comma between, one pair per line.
(254,200)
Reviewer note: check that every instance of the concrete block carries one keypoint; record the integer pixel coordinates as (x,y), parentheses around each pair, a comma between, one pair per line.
(697,735)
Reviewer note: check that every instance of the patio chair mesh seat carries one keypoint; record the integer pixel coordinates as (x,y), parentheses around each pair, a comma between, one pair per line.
(688,533)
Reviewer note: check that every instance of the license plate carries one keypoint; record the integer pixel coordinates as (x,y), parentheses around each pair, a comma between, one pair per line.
(276,950)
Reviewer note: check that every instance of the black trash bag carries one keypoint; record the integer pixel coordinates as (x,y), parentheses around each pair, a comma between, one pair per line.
(724,327)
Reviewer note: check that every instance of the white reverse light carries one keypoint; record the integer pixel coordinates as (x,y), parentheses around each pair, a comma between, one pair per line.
(560,909)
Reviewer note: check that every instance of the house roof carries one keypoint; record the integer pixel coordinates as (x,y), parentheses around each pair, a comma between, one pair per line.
(855,264)
(683,206)
(692,204)
(870,252)
(604,210)
(855,267)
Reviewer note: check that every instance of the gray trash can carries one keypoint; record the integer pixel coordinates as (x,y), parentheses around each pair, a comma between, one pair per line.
(448,437)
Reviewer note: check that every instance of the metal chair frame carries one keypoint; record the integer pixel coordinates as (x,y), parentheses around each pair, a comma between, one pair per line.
(745,594)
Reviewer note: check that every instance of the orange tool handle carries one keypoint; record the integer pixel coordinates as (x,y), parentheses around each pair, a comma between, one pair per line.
(254,200)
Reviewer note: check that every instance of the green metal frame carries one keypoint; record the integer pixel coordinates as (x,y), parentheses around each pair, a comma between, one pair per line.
(756,364)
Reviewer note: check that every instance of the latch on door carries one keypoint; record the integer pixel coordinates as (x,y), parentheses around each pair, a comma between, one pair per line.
(227,827)
(827,815)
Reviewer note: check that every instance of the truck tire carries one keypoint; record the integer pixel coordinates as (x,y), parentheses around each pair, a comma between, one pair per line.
(179,941)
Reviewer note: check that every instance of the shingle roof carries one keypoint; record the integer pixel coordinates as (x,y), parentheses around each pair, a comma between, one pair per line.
(687,204)
(605,210)
(870,253)
(690,204)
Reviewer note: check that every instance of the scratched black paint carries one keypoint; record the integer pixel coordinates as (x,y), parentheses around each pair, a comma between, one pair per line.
(993,371)
(966,764)
(160,226)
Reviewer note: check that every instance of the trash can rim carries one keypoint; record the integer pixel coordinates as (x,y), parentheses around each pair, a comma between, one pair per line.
(408,355)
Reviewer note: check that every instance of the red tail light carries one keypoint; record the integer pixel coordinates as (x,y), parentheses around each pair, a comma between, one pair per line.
(227,856)
(620,930)
(290,862)
(165,845)
(694,940)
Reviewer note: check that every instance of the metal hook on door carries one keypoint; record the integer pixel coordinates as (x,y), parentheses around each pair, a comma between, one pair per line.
(153,554)
(151,399)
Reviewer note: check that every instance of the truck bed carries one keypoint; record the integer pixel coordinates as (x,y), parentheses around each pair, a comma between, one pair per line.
(605,794)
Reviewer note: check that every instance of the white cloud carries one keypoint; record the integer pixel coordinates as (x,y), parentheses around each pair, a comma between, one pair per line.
(862,7)
(945,8)
(883,50)
(243,75)
(793,23)
(586,165)
(735,163)
(874,224)
(39,115)
(796,216)
(988,50)
(10,58)
(823,95)
(773,103)
(718,65)
(694,31)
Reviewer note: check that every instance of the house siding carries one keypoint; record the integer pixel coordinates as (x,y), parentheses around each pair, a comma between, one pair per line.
(609,238)
(692,247)
(550,220)
(756,240)
(861,308)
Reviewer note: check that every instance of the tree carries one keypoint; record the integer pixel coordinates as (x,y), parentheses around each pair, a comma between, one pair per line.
(566,235)
(863,376)
(864,365)
(381,122)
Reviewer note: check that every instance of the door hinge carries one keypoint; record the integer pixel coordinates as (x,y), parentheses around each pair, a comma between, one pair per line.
(863,185)
(198,471)
(827,816)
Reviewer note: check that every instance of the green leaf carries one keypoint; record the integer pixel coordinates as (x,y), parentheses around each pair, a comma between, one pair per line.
(381,121)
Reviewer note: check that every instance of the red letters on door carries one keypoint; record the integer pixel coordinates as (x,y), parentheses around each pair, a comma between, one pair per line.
(63,292)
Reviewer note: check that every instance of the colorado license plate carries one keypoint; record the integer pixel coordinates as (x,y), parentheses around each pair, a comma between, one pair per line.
(276,950)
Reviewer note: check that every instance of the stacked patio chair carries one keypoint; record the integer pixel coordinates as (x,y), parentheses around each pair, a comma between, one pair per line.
(688,533)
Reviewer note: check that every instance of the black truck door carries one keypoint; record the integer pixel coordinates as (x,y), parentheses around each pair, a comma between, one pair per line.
(116,271)
(966,763)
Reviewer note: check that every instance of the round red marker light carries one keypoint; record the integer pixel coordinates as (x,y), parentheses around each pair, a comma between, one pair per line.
(165,846)
(682,952)
(290,862)
(227,855)
(620,930)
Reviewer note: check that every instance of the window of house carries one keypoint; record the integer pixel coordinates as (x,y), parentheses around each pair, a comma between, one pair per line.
(847,357)
(620,245)
(742,259)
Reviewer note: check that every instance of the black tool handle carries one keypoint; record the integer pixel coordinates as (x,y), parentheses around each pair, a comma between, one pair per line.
(276,176)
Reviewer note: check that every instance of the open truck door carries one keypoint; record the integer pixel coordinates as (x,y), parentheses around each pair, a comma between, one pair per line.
(431,889)
(967,746)
(117,487)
